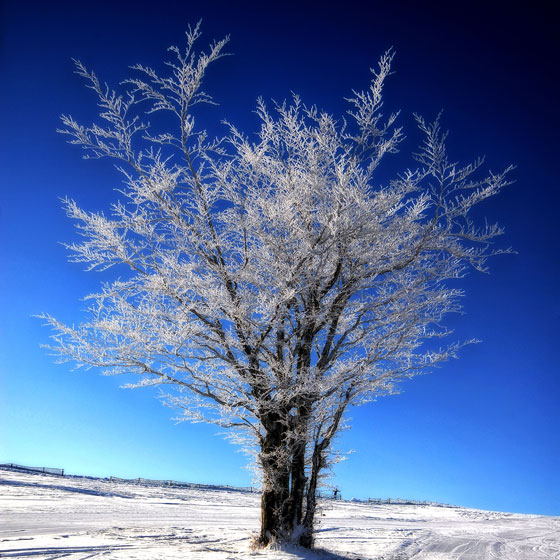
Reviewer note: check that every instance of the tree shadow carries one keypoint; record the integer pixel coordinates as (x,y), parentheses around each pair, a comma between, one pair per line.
(326,555)
(58,551)
(63,488)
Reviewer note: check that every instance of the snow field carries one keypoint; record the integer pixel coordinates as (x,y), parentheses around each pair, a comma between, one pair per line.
(49,517)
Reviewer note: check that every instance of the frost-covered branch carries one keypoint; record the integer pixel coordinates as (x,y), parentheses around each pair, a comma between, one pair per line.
(269,282)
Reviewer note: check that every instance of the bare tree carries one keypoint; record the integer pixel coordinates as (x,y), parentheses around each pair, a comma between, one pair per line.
(269,281)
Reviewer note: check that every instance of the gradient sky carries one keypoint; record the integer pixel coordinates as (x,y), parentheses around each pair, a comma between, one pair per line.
(482,431)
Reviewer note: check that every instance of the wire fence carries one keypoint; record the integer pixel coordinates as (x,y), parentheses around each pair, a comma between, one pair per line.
(330,495)
(178,484)
(404,502)
(47,470)
(399,501)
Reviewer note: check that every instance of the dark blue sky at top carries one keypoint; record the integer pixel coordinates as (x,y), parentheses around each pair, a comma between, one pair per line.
(481,431)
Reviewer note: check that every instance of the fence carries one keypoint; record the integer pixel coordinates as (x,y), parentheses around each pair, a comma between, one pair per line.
(332,495)
(399,501)
(177,484)
(192,485)
(47,470)
(404,502)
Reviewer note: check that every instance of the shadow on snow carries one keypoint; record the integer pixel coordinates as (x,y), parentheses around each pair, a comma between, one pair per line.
(64,488)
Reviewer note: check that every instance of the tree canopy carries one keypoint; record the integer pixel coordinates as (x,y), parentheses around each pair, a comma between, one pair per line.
(270,282)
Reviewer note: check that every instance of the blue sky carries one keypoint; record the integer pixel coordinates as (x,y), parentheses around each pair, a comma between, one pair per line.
(482,431)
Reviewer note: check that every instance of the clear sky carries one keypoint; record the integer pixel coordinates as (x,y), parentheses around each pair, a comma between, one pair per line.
(482,431)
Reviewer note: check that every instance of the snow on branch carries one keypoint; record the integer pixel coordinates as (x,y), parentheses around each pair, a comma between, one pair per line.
(271,283)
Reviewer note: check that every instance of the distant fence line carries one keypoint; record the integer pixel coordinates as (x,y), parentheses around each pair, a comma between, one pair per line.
(47,470)
(399,501)
(403,502)
(176,484)
(196,486)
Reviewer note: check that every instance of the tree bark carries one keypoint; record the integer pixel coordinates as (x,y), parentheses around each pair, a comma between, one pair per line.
(272,501)
(306,537)
(276,479)
(294,510)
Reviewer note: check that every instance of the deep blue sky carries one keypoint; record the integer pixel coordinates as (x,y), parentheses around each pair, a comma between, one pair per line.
(482,431)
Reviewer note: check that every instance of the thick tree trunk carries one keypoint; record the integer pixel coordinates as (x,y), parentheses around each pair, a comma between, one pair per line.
(276,481)
(272,501)
(284,480)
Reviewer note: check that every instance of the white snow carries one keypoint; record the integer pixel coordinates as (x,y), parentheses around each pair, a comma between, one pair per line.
(48,517)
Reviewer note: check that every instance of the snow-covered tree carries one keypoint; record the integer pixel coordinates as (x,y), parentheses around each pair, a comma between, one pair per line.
(269,281)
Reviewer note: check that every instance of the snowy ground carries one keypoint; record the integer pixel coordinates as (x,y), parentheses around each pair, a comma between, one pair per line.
(48,517)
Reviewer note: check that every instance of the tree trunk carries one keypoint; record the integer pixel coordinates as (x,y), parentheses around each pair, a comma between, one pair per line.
(298,478)
(276,482)
(306,537)
(271,515)
(317,463)
(294,510)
